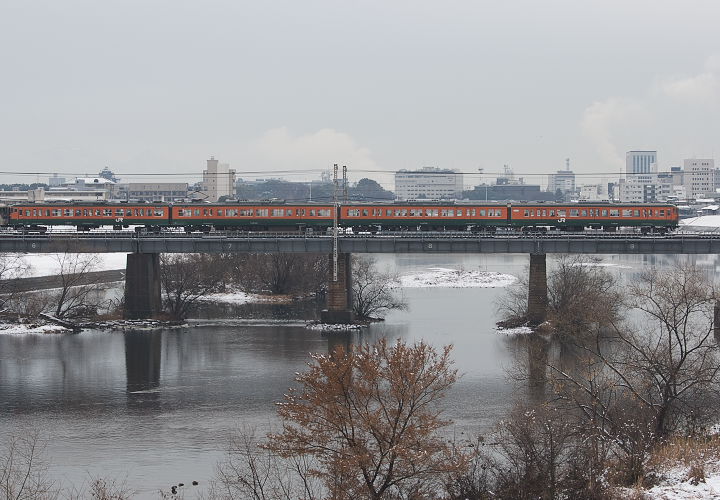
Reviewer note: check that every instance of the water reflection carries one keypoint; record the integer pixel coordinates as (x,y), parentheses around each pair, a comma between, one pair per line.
(143,354)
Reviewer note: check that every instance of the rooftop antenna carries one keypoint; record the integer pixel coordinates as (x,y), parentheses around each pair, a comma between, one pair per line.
(345,184)
(567,163)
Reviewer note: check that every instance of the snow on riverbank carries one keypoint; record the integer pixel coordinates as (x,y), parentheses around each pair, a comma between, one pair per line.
(440,277)
(20,329)
(238,297)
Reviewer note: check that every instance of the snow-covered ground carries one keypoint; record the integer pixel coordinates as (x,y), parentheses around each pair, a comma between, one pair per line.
(17,329)
(677,484)
(441,277)
(238,297)
(518,330)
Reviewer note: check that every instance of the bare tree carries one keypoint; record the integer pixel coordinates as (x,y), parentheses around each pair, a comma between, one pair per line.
(23,469)
(252,472)
(582,297)
(12,267)
(278,273)
(187,278)
(79,293)
(370,418)
(374,292)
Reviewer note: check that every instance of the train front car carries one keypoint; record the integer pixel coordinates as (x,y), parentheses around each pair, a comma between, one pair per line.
(37,217)
(574,217)
(423,216)
(253,216)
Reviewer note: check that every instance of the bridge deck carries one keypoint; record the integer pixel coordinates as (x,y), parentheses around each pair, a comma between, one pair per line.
(584,243)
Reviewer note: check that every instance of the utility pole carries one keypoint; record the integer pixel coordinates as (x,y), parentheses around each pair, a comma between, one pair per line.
(335,222)
(345,184)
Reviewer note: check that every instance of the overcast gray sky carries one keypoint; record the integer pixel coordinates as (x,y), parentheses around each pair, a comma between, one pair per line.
(147,86)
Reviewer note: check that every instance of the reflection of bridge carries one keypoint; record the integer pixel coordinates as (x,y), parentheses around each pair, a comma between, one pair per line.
(142,286)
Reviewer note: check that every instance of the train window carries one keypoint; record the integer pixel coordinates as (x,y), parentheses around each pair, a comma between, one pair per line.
(365,212)
(118,212)
(561,213)
(247,212)
(263,212)
(472,212)
(85,212)
(324,212)
(67,212)
(552,213)
(205,211)
(614,213)
(451,213)
(636,213)
(107,212)
(77,211)
(444,212)
(353,212)
(312,212)
(277,212)
(583,213)
(482,212)
(662,213)
(56,212)
(289,212)
(459,212)
(574,212)
(527,212)
(197,211)
(159,212)
(627,212)
(211,211)
(34,212)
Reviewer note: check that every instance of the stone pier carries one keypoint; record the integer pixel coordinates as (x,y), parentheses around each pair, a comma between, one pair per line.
(339,295)
(142,286)
(537,290)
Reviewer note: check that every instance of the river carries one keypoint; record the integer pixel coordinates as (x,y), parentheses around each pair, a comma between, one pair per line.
(157,408)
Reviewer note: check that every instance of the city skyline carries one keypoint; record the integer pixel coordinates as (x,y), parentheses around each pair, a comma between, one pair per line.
(378,87)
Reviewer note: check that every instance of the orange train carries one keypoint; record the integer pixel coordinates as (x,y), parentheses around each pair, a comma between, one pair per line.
(397,216)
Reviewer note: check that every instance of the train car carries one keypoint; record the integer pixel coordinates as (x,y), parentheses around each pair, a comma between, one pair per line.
(606,216)
(86,216)
(255,216)
(425,216)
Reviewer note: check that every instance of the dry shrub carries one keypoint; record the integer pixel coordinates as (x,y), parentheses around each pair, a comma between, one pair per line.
(685,451)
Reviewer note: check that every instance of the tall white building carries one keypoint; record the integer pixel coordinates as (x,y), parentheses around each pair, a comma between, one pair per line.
(428,183)
(640,162)
(699,177)
(218,180)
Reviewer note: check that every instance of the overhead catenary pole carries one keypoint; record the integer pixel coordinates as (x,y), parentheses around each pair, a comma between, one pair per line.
(345,184)
(335,222)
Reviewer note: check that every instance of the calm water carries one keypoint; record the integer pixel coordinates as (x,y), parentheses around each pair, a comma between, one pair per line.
(157,408)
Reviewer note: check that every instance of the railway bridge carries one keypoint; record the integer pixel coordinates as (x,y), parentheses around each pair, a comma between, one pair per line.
(142,278)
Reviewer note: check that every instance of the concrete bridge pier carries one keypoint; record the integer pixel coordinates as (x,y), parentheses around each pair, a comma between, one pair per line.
(537,290)
(142,286)
(339,296)
(716,320)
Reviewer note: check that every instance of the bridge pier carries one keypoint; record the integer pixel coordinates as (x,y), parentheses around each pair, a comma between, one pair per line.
(339,295)
(537,290)
(142,286)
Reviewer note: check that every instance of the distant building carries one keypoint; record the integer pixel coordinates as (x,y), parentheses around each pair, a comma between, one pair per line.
(428,183)
(56,181)
(90,183)
(640,162)
(108,174)
(55,194)
(509,192)
(143,191)
(218,180)
(699,178)
(594,192)
(563,181)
